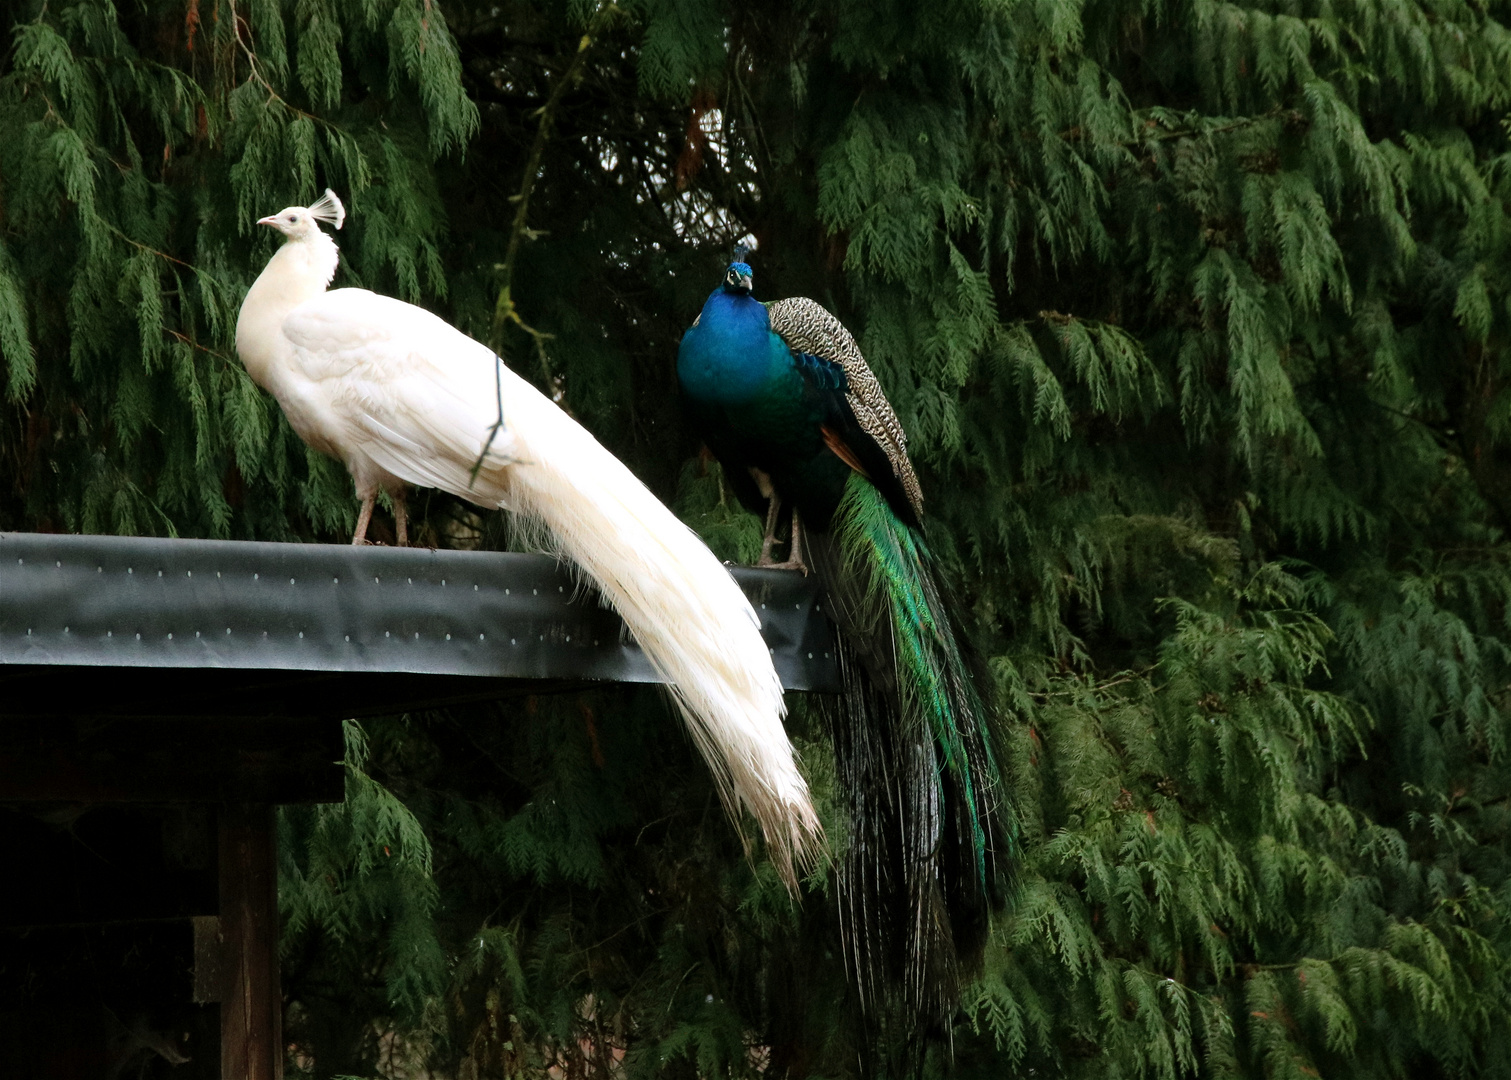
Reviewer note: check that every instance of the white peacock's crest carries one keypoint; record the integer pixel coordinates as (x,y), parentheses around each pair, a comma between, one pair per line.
(329,208)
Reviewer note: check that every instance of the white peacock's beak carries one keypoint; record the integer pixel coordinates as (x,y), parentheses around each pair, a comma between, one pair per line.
(271,219)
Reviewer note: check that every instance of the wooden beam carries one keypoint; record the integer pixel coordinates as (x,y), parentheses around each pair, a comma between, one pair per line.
(251,1008)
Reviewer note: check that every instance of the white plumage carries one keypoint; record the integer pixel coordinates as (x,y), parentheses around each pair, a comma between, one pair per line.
(402,397)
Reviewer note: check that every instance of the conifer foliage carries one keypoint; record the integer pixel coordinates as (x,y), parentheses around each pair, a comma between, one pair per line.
(1197,313)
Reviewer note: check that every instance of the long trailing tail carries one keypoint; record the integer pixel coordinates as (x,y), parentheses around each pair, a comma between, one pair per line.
(929,843)
(679,602)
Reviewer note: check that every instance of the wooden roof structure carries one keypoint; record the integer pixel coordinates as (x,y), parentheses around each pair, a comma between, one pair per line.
(214,676)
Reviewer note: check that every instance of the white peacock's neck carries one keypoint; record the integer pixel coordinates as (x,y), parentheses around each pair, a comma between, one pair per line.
(305,265)
(299,271)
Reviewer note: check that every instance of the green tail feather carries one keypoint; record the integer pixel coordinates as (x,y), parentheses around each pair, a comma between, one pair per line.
(936,684)
(929,842)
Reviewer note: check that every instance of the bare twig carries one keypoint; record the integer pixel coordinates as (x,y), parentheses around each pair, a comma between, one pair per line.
(505,311)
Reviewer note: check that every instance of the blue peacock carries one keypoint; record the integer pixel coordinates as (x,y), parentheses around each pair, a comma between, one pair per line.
(784,399)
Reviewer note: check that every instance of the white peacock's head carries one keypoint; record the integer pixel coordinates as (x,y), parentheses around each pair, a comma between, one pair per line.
(301,222)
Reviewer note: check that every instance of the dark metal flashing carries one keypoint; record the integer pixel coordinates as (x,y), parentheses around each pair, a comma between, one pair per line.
(89,602)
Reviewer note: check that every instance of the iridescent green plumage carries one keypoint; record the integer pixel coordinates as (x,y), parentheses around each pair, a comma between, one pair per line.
(929,843)
(895,559)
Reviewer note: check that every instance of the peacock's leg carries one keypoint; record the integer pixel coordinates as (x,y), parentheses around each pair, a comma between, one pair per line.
(360,536)
(774,505)
(401,517)
(795,551)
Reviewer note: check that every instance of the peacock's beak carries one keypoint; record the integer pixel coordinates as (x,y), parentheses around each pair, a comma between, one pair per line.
(271,219)
(745,282)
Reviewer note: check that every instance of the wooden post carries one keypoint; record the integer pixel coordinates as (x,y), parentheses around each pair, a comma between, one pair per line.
(251,1004)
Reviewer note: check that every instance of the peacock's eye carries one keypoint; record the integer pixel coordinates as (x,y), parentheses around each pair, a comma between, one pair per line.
(293,218)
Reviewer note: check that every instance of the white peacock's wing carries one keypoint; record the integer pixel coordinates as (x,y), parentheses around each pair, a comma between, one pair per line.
(414,394)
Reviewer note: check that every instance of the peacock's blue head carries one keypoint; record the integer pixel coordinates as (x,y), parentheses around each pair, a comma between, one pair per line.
(737,278)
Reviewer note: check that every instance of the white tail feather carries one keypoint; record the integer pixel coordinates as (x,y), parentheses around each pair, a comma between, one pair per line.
(682,606)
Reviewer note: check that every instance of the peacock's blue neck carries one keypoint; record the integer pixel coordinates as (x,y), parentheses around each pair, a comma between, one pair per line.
(731,355)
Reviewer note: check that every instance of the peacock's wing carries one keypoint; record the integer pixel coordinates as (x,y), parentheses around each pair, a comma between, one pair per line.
(410,392)
(807,327)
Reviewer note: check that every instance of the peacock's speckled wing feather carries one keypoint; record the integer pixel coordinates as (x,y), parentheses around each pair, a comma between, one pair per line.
(807,327)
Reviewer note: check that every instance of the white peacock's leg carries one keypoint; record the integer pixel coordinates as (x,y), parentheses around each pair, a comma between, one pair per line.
(360,536)
(401,517)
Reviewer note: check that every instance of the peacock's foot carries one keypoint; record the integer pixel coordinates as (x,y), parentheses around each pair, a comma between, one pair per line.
(794,560)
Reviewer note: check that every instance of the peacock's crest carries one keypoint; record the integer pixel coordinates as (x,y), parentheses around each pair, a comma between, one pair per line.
(329,208)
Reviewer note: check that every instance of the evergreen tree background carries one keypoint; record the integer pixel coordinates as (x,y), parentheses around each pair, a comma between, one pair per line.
(1198,313)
